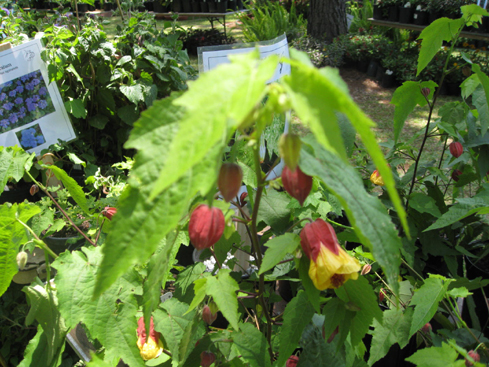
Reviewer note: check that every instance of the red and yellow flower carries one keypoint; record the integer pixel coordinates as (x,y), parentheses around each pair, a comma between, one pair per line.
(330,266)
(149,347)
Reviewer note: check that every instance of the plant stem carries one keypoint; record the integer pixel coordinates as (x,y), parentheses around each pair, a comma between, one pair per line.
(441,158)
(39,242)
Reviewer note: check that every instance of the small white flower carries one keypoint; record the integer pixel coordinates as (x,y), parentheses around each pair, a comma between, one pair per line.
(419,8)
(389,72)
(407,5)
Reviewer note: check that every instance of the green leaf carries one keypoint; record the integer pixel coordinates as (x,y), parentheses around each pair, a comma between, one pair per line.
(367,215)
(335,312)
(459,292)
(200,287)
(360,293)
(129,114)
(424,204)
(217,103)
(223,290)
(134,93)
(405,98)
(426,300)
(76,108)
(172,321)
(44,309)
(443,356)
(311,290)
(252,345)
(37,352)
(456,213)
(277,248)
(98,121)
(298,313)
(12,162)
(473,13)
(333,93)
(112,317)
(12,235)
(442,29)
(72,186)
(274,210)
(193,333)
(484,79)
(185,280)
(393,329)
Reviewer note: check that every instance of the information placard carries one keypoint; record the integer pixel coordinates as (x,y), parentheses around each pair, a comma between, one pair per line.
(32,114)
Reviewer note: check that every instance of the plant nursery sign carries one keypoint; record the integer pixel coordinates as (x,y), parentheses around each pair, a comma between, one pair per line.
(212,56)
(32,114)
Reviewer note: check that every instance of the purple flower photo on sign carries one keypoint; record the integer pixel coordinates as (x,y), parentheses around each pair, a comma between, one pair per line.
(24,100)
(31,137)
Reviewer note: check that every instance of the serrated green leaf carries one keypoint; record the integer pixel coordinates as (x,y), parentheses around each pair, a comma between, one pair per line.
(426,300)
(200,286)
(185,280)
(459,292)
(360,293)
(316,352)
(76,108)
(224,98)
(298,313)
(111,318)
(329,84)
(393,329)
(367,215)
(443,356)
(252,345)
(12,235)
(37,352)
(192,334)
(424,204)
(405,98)
(134,93)
(223,290)
(274,210)
(277,248)
(172,321)
(456,213)
(484,79)
(442,29)
(473,13)
(72,186)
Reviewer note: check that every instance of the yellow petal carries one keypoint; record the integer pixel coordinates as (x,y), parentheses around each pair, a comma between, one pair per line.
(376,178)
(150,349)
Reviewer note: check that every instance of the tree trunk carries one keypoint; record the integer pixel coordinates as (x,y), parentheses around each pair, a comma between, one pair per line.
(327,19)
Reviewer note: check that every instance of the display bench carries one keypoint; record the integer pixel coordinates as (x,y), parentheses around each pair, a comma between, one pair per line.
(419,28)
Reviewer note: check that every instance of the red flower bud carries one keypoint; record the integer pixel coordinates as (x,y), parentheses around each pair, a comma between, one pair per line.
(34,190)
(366,269)
(456,175)
(109,212)
(207,358)
(229,181)
(381,295)
(208,316)
(426,328)
(296,183)
(425,92)
(456,149)
(242,198)
(206,226)
(474,355)
(292,361)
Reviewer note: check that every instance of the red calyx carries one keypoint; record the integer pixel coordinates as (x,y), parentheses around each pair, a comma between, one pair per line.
(317,234)
(456,175)
(207,358)
(474,355)
(381,295)
(206,226)
(292,361)
(426,328)
(425,92)
(109,212)
(208,316)
(456,149)
(296,183)
(229,181)
(153,334)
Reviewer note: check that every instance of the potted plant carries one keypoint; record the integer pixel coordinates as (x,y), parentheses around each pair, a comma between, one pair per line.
(406,12)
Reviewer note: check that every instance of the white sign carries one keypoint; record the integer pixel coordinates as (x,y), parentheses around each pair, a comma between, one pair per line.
(212,56)
(32,114)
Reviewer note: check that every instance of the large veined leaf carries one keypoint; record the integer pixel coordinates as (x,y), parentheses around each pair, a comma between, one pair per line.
(223,290)
(443,356)
(277,248)
(426,300)
(297,315)
(217,103)
(274,210)
(367,215)
(111,318)
(12,162)
(310,90)
(37,352)
(12,235)
(252,345)
(44,309)
(442,29)
(393,329)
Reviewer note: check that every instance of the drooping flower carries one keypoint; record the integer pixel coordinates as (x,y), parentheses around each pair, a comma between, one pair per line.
(151,347)
(330,265)
(109,212)
(376,178)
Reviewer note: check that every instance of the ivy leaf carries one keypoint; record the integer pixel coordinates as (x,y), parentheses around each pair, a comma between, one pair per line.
(367,215)
(252,345)
(217,103)
(12,235)
(76,108)
(298,313)
(112,317)
(426,300)
(360,293)
(171,321)
(393,329)
(405,98)
(443,356)
(277,248)
(442,29)
(223,290)
(71,185)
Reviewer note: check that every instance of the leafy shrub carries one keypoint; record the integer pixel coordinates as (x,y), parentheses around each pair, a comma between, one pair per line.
(204,37)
